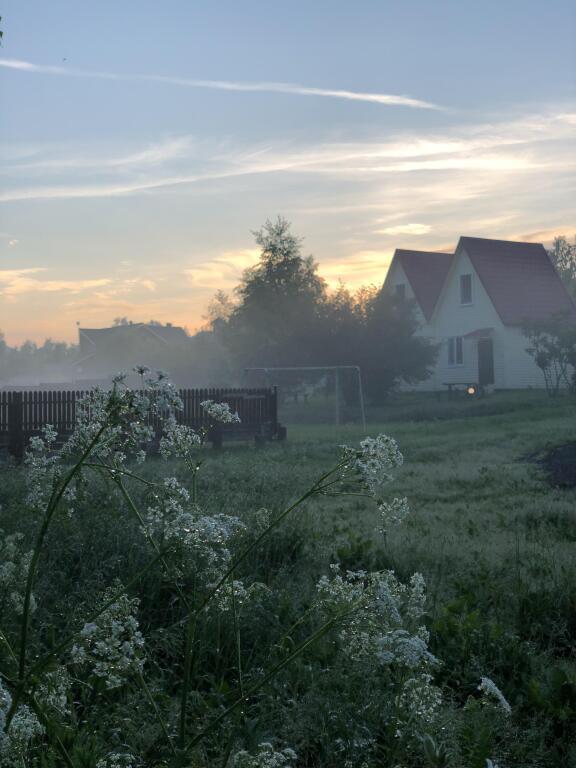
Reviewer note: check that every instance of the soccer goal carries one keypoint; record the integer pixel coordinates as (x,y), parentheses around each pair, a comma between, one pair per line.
(315,394)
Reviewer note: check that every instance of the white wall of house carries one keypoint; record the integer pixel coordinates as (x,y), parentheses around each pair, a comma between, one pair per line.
(513,366)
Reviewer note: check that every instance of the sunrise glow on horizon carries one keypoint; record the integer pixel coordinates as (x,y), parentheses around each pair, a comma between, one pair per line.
(140,150)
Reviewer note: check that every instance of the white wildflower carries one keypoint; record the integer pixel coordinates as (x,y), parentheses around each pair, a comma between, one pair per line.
(266,757)
(490,691)
(220,412)
(372,462)
(112,646)
(53,691)
(14,565)
(178,440)
(117,760)
(24,727)
(392,512)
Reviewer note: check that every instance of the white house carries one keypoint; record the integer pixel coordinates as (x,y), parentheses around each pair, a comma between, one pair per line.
(474,303)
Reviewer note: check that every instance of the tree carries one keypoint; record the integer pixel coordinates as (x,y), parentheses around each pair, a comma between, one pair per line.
(563,255)
(553,347)
(376,330)
(278,302)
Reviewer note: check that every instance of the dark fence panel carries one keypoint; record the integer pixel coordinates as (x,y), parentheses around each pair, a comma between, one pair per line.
(24,414)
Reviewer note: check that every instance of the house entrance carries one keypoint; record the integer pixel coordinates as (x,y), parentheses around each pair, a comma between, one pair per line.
(485,362)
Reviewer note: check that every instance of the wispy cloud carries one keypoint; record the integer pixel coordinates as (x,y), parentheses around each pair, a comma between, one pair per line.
(293,89)
(536,143)
(405,229)
(14,282)
(222,271)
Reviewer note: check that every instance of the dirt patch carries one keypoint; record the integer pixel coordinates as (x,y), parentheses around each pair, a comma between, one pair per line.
(559,463)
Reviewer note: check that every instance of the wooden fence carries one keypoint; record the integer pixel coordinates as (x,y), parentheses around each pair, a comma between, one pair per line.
(24,414)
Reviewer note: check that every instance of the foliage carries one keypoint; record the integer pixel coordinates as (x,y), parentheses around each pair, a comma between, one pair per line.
(284,315)
(563,255)
(553,348)
(483,527)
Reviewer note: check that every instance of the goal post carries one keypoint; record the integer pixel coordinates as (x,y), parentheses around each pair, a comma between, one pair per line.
(336,371)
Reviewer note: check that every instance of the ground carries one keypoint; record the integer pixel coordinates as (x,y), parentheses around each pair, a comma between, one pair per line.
(490,528)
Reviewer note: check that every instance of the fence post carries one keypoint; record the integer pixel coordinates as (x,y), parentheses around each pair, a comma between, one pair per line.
(15,426)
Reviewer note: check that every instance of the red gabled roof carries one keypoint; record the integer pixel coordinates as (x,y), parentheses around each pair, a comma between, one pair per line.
(426,272)
(519,278)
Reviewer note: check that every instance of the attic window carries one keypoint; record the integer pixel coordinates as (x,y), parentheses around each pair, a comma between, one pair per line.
(401,290)
(465,289)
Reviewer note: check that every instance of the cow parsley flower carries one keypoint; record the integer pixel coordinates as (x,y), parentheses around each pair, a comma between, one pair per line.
(117,760)
(24,727)
(112,645)
(220,412)
(14,565)
(179,440)
(392,512)
(381,617)
(265,757)
(372,462)
(490,691)
(54,690)
(42,468)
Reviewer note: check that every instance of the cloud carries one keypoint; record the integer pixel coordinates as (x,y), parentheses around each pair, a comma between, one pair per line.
(405,229)
(14,282)
(294,89)
(153,155)
(538,143)
(223,272)
(363,267)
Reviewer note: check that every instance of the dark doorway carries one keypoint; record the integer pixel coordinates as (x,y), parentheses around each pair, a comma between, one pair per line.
(485,362)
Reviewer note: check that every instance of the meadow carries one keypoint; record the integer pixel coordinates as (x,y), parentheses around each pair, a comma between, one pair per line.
(277,673)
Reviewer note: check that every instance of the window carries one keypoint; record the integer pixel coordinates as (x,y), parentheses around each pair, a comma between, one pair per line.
(465,289)
(455,352)
(401,290)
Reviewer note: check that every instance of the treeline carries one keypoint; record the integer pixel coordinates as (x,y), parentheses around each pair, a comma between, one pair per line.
(30,359)
(283,314)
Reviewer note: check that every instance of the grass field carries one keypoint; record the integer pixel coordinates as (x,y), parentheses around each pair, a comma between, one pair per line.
(494,540)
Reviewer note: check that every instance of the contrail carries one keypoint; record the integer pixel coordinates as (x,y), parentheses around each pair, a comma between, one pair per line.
(226,85)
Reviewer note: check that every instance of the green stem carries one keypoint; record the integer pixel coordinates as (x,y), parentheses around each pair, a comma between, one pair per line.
(53,502)
(156,711)
(237,637)
(273,672)
(128,499)
(188,646)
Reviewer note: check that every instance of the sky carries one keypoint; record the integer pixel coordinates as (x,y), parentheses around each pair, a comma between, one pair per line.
(142,143)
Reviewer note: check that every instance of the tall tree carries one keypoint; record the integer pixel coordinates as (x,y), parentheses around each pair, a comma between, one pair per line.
(279,300)
(563,255)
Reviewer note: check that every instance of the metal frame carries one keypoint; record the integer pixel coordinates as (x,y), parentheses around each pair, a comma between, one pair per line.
(336,369)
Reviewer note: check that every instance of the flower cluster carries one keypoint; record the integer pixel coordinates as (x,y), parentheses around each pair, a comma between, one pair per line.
(380,621)
(122,418)
(220,412)
(117,760)
(200,542)
(14,564)
(237,594)
(265,757)
(53,691)
(491,693)
(24,727)
(112,645)
(42,466)
(179,440)
(373,461)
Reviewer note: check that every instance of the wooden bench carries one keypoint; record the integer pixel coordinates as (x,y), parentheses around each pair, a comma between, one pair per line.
(457,386)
